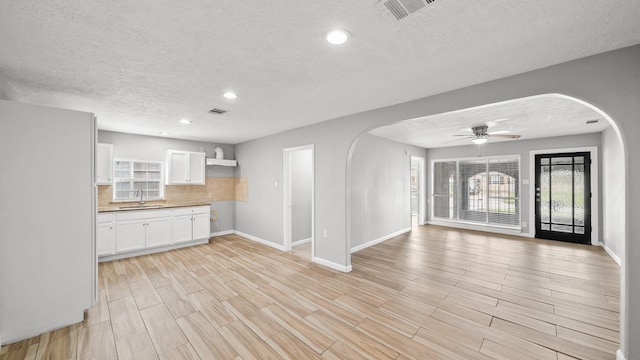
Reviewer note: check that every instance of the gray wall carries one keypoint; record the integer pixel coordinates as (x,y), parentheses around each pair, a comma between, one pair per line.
(381,191)
(612,182)
(301,193)
(522,148)
(610,80)
(6,90)
(261,161)
(47,260)
(152,148)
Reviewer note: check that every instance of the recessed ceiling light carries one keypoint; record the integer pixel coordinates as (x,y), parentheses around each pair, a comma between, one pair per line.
(338,36)
(230,95)
(185,121)
(164,134)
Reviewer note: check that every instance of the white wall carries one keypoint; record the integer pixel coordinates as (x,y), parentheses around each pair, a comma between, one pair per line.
(613,179)
(152,148)
(381,196)
(522,148)
(301,193)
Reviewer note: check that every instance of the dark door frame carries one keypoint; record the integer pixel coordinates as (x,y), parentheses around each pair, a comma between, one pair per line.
(595,178)
(575,236)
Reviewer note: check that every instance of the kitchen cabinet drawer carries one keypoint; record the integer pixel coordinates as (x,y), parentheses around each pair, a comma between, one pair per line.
(191,210)
(143,214)
(103,218)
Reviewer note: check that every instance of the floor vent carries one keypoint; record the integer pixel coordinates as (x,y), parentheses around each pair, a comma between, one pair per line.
(403,8)
(215,111)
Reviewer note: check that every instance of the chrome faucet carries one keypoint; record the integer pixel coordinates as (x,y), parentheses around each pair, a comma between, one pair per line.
(141,196)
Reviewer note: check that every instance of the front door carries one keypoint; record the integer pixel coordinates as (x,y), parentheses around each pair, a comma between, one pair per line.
(563,197)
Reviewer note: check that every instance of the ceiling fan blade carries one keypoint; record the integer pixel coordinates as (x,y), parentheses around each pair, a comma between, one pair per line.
(504,136)
(469,136)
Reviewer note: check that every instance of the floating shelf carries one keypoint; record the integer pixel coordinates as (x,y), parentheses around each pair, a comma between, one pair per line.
(222,162)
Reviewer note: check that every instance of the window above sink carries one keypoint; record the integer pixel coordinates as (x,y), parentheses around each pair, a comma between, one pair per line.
(131,175)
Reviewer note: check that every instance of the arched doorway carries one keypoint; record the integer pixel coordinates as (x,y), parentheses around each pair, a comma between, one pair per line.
(612,154)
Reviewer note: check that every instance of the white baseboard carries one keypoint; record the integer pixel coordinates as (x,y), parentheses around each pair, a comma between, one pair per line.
(620,355)
(300,242)
(331,265)
(379,240)
(611,253)
(259,240)
(148,251)
(221,233)
(479,227)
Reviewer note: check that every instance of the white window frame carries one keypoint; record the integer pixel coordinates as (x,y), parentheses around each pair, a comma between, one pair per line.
(135,198)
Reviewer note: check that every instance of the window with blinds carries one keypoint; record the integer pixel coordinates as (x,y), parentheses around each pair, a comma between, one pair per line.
(131,175)
(483,190)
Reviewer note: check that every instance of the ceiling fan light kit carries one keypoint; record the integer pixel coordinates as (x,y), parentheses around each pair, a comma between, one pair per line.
(479,140)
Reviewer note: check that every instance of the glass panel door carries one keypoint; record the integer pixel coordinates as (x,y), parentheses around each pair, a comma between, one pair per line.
(563,197)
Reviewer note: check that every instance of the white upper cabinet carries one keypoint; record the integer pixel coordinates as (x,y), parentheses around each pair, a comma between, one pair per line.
(104,164)
(197,161)
(185,168)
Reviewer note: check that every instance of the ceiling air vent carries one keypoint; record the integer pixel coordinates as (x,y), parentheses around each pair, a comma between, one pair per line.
(403,8)
(215,111)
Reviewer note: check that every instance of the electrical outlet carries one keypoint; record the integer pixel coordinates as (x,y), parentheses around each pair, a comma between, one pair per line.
(324,233)
(524,224)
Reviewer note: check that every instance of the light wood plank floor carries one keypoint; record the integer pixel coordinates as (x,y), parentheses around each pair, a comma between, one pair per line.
(434,293)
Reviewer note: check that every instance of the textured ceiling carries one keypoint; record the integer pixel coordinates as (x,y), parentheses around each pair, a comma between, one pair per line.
(143,65)
(534,117)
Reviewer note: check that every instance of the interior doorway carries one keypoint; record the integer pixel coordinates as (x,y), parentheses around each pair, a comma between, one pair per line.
(299,201)
(418,206)
(563,197)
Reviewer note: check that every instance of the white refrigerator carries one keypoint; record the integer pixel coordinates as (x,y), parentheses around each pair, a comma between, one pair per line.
(47,218)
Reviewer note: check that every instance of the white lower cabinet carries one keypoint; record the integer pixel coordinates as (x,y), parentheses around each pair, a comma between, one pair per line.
(182,226)
(131,235)
(201,225)
(105,235)
(159,232)
(136,231)
(191,224)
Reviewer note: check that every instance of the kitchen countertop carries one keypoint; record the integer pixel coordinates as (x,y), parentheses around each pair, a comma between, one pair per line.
(149,206)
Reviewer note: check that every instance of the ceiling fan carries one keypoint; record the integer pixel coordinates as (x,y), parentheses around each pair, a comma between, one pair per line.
(480,134)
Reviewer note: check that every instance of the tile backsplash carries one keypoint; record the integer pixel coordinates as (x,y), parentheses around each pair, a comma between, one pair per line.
(215,189)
